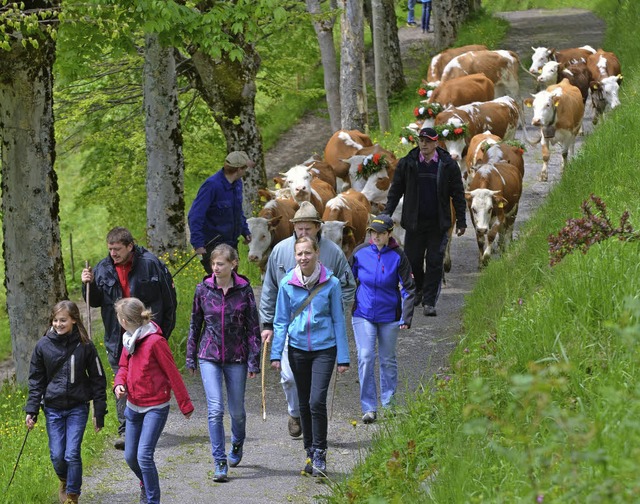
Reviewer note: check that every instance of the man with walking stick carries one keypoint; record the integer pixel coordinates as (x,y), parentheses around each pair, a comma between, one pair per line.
(128,271)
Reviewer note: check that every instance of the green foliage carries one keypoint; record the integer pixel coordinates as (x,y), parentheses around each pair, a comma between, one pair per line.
(28,26)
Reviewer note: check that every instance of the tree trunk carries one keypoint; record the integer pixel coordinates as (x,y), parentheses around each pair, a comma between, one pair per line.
(393,65)
(229,89)
(165,162)
(324,31)
(353,96)
(448,16)
(380,59)
(34,271)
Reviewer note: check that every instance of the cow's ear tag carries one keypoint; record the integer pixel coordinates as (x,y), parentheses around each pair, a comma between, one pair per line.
(528,105)
(278,186)
(501,205)
(263,198)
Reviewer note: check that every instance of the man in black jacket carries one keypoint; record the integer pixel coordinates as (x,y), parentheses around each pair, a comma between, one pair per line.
(129,271)
(428,178)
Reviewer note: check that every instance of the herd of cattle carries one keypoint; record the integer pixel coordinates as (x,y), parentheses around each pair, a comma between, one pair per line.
(472,100)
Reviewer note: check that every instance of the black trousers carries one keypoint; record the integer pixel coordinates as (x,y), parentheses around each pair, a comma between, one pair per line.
(206,257)
(425,250)
(312,372)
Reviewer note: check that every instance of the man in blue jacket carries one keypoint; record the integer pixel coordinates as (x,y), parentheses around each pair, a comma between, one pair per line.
(216,214)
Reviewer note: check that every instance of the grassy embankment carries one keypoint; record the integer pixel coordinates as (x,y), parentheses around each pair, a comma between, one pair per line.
(541,402)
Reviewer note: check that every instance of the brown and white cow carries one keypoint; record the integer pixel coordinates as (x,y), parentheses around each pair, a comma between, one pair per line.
(463,90)
(492,198)
(342,145)
(322,170)
(604,69)
(270,227)
(499,66)
(305,187)
(345,220)
(558,111)
(374,186)
(577,74)
(542,55)
(440,61)
(476,151)
(499,116)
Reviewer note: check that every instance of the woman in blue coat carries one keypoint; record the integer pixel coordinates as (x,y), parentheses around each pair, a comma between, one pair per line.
(380,309)
(309,310)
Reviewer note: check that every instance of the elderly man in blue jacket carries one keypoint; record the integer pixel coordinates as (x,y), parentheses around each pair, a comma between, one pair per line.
(216,214)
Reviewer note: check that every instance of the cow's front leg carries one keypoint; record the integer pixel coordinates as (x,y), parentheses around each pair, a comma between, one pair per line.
(545,160)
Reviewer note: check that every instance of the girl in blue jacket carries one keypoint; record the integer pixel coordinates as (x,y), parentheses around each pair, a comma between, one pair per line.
(317,335)
(380,309)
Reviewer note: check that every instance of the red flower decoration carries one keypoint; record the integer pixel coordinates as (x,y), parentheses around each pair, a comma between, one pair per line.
(458,131)
(422,92)
(359,168)
(416,111)
(376,158)
(430,112)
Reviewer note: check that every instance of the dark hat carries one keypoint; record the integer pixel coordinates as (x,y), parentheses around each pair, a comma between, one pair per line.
(429,133)
(381,223)
(237,159)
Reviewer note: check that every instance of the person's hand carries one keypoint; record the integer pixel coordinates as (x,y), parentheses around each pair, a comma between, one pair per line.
(188,415)
(266,335)
(247,239)
(87,275)
(95,425)
(251,374)
(404,326)
(460,231)
(275,364)
(201,250)
(119,391)
(31,423)
(342,369)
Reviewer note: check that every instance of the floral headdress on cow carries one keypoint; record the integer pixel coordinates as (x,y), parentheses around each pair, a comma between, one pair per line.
(451,131)
(427,111)
(373,163)
(514,143)
(408,135)
(425,89)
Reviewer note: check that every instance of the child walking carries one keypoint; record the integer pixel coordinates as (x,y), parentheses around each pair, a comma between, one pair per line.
(224,340)
(64,375)
(147,373)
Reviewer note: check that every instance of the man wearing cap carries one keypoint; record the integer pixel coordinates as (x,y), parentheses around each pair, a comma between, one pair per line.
(306,222)
(428,178)
(216,215)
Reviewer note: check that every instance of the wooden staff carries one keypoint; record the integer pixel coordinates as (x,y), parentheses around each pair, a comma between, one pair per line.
(88,285)
(333,394)
(264,384)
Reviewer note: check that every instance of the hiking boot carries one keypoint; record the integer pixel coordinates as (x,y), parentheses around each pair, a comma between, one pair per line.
(235,455)
(429,311)
(319,468)
(72,498)
(308,466)
(369,417)
(143,494)
(62,491)
(220,474)
(295,428)
(119,443)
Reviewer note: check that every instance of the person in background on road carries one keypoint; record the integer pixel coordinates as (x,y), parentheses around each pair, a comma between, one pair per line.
(411,16)
(310,320)
(146,377)
(429,179)
(379,311)
(224,340)
(216,214)
(306,222)
(129,270)
(426,16)
(64,375)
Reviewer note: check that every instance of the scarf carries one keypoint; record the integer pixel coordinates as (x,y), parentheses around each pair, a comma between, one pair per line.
(129,340)
(308,281)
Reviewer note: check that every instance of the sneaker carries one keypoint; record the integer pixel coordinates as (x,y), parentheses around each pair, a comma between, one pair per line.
(429,311)
(235,455)
(369,417)
(220,474)
(412,24)
(295,428)
(143,494)
(319,468)
(308,466)
(119,443)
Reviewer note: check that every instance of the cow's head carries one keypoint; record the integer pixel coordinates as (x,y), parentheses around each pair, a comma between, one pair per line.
(484,205)
(340,233)
(261,237)
(541,55)
(544,106)
(298,180)
(549,73)
(604,93)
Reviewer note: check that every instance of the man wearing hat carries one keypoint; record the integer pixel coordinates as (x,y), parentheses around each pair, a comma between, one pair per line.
(306,222)
(216,215)
(428,178)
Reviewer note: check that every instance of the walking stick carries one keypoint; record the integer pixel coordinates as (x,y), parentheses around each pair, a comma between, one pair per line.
(18,460)
(333,393)
(194,256)
(86,265)
(264,378)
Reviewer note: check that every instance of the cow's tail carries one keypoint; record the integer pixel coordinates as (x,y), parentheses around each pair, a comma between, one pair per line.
(535,77)
(529,140)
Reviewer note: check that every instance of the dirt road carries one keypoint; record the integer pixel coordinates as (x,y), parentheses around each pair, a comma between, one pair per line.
(269,472)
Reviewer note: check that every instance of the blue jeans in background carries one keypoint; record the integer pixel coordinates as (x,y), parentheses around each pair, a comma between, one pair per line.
(366,335)
(312,371)
(235,378)
(426,16)
(141,437)
(411,17)
(65,429)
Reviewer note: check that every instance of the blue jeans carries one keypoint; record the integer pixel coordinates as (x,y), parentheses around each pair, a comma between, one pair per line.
(411,16)
(235,378)
(366,334)
(312,371)
(66,429)
(141,437)
(426,15)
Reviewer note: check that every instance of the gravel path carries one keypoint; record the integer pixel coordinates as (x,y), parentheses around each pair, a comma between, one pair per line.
(269,472)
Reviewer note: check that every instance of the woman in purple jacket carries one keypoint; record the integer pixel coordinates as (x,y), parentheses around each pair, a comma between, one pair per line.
(224,340)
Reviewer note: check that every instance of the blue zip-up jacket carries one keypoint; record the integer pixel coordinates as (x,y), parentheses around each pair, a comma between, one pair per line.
(378,273)
(217,210)
(319,326)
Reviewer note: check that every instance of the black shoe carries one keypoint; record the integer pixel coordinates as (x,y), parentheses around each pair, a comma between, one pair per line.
(429,311)
(119,443)
(412,24)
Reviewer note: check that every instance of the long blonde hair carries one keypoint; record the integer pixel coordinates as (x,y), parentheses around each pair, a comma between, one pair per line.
(133,311)
(74,312)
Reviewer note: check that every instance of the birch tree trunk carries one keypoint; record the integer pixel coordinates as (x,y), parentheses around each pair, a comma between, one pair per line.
(380,59)
(353,96)
(165,161)
(448,15)
(34,271)
(393,64)
(229,89)
(323,25)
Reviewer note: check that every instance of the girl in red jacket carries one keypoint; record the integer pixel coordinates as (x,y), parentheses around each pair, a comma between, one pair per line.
(147,374)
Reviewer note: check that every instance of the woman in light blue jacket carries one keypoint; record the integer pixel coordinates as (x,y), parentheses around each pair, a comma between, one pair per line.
(309,310)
